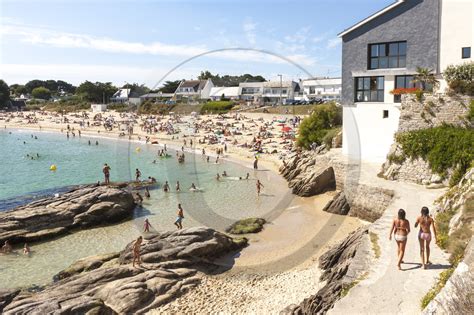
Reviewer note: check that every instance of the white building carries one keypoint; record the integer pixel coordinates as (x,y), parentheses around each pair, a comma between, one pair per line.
(322,88)
(276,91)
(224,92)
(126,96)
(98,108)
(194,89)
(382,52)
(251,91)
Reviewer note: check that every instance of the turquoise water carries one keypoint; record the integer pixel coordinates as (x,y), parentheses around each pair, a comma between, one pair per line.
(218,204)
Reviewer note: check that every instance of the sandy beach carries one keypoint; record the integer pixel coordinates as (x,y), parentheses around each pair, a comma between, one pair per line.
(279,267)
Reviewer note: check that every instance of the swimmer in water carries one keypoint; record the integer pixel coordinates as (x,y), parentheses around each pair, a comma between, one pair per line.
(166,187)
(207,159)
(218,177)
(193,187)
(26,249)
(6,248)
(259,187)
(146,226)
(177,186)
(248,176)
(224,174)
(97,143)
(147,193)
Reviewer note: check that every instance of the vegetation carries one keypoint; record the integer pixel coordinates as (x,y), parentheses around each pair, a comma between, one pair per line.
(460,78)
(316,127)
(169,86)
(470,114)
(347,287)
(67,106)
(426,78)
(96,92)
(443,278)
(136,88)
(4,94)
(245,226)
(445,148)
(119,107)
(217,107)
(229,80)
(41,93)
(374,239)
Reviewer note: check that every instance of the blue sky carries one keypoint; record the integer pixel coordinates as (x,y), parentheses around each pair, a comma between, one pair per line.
(140,41)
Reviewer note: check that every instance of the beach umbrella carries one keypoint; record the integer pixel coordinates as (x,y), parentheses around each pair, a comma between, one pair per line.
(286,129)
(281,124)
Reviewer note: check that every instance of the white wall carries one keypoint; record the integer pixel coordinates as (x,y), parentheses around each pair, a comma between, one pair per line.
(366,134)
(457,26)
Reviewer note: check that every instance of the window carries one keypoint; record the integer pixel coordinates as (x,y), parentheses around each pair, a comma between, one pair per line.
(466,52)
(387,55)
(385,113)
(312,90)
(369,89)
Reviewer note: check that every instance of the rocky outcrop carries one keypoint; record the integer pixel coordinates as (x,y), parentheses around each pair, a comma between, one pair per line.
(6,296)
(313,183)
(456,297)
(338,205)
(245,226)
(171,262)
(81,207)
(337,263)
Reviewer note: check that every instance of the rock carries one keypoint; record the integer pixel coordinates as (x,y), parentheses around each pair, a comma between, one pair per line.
(436,179)
(6,296)
(250,225)
(170,265)
(314,183)
(337,140)
(338,205)
(335,262)
(81,207)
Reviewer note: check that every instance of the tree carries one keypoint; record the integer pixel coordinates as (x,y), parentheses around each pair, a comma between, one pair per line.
(169,86)
(96,92)
(41,93)
(229,80)
(56,87)
(136,88)
(426,78)
(4,93)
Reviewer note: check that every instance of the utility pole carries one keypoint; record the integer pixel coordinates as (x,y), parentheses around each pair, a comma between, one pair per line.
(281,87)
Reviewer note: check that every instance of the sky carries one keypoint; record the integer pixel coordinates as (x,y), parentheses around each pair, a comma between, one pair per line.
(149,42)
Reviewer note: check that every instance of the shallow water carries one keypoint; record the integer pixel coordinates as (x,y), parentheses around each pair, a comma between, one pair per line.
(217,205)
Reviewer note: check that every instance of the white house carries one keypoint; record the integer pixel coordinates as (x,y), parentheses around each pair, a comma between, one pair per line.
(194,89)
(125,96)
(382,52)
(251,91)
(322,88)
(219,92)
(276,91)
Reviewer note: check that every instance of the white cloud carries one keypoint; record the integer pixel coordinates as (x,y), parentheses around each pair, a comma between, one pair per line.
(332,43)
(249,28)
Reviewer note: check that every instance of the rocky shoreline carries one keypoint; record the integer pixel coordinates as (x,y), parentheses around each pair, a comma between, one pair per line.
(108,284)
(81,207)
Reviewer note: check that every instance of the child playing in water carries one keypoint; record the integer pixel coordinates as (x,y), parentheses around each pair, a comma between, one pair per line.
(146,226)
(259,187)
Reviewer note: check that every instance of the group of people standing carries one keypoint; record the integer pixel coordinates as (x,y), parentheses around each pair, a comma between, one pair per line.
(401,228)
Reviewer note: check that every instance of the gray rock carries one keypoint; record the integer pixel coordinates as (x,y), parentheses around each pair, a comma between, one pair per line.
(314,183)
(81,207)
(338,205)
(170,265)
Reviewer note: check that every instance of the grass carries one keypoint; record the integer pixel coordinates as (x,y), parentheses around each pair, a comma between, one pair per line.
(374,239)
(217,107)
(287,109)
(347,287)
(443,278)
(245,226)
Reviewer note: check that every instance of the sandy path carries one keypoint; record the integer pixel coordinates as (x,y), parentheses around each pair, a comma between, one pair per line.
(386,289)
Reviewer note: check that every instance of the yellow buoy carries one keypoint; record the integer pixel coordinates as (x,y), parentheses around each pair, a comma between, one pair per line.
(138,149)
(52,167)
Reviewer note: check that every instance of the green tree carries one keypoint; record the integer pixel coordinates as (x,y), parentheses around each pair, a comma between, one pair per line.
(229,80)
(4,93)
(426,78)
(169,86)
(136,88)
(314,128)
(41,93)
(96,92)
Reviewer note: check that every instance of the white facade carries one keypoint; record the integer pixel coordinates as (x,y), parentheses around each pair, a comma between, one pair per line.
(274,90)
(98,108)
(251,91)
(322,88)
(456,32)
(197,89)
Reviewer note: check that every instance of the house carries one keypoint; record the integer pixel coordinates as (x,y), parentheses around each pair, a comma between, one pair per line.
(322,88)
(194,89)
(251,91)
(275,92)
(382,52)
(126,96)
(98,108)
(227,92)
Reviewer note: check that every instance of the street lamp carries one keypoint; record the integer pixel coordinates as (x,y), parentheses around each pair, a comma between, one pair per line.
(281,87)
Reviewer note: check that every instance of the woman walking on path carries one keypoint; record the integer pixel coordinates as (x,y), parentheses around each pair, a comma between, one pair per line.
(424,235)
(400,229)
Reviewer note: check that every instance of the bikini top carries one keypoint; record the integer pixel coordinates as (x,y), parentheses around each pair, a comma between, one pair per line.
(398,227)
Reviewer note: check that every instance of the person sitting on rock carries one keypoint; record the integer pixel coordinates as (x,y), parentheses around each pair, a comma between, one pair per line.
(6,248)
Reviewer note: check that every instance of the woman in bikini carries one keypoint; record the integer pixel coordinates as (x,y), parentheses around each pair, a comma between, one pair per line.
(400,229)
(136,251)
(424,235)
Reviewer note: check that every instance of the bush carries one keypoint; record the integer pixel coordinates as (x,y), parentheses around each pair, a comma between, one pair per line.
(217,107)
(322,121)
(445,147)
(118,107)
(460,78)
(327,139)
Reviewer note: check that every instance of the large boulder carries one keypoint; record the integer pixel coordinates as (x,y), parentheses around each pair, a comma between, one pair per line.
(111,285)
(81,207)
(314,183)
(338,204)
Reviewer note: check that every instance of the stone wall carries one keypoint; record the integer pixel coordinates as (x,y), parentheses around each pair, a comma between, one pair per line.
(432,111)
